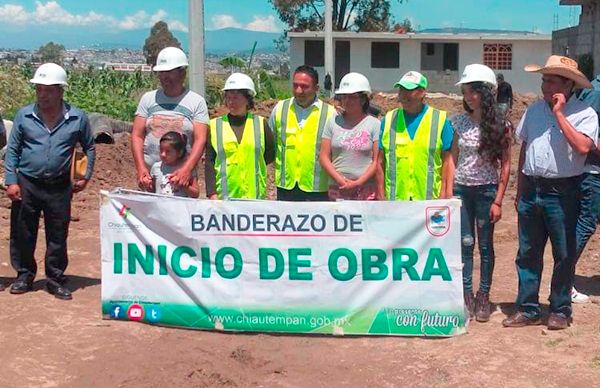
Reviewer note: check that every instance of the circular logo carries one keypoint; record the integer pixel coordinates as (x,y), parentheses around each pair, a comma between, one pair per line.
(135,312)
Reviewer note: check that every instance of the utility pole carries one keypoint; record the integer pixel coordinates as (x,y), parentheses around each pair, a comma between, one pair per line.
(329,42)
(196,39)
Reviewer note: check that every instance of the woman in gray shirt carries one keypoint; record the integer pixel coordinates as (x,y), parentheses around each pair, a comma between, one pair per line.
(350,141)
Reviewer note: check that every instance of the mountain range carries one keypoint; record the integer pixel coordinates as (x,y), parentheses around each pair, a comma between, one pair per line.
(216,41)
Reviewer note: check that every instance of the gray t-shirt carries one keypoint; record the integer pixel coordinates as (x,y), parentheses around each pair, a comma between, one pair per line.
(164,114)
(160,173)
(351,148)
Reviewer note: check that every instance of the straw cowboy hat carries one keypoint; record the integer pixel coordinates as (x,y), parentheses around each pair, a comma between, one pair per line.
(563,66)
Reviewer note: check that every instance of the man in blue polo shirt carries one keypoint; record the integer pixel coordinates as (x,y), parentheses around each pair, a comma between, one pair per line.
(38,163)
(414,147)
(589,215)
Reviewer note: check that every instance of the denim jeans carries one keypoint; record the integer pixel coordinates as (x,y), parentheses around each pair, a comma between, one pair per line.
(475,221)
(547,208)
(589,214)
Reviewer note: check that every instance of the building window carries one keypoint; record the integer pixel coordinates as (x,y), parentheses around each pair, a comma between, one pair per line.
(430,48)
(497,56)
(439,56)
(314,53)
(385,55)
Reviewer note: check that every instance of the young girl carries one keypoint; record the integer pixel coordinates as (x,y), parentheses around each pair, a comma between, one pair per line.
(481,144)
(172,156)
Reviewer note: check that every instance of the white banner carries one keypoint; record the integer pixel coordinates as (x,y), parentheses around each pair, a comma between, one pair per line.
(347,267)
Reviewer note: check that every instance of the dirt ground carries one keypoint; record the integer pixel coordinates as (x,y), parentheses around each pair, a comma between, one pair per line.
(45,342)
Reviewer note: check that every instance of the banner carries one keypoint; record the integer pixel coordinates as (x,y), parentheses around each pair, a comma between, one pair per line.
(346,267)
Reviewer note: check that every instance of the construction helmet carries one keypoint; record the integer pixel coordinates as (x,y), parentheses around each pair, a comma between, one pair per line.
(240,81)
(353,83)
(170,58)
(477,73)
(50,74)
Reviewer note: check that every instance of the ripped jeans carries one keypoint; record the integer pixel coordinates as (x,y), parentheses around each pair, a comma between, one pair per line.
(475,222)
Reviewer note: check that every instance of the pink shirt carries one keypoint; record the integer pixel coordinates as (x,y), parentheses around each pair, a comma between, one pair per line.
(471,169)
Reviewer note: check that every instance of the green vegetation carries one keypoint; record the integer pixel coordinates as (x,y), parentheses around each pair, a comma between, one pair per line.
(116,94)
(112,93)
(15,90)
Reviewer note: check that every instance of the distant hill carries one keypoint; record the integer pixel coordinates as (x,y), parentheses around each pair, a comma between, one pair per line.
(455,30)
(216,41)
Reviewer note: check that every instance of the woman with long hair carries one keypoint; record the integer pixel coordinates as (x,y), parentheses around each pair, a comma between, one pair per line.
(481,147)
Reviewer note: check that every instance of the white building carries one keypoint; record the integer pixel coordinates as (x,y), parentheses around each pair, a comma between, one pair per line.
(384,56)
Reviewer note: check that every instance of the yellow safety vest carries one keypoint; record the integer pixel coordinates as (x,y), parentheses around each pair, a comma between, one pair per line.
(413,167)
(240,167)
(297,151)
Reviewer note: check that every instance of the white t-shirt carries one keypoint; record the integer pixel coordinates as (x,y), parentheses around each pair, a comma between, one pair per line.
(160,173)
(548,153)
(164,114)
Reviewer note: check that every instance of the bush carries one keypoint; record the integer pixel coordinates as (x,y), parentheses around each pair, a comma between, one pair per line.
(15,90)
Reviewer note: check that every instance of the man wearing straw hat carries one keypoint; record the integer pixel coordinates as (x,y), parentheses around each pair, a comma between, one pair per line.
(556,133)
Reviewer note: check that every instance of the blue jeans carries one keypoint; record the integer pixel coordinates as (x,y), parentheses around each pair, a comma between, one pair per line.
(589,214)
(548,208)
(475,221)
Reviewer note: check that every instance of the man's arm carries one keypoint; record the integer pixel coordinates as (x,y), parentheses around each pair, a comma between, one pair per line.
(2,133)
(183,175)
(520,175)
(447,175)
(581,143)
(379,176)
(86,139)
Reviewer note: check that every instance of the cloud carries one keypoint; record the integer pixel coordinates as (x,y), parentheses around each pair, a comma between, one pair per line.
(225,21)
(264,24)
(52,13)
(11,13)
(259,23)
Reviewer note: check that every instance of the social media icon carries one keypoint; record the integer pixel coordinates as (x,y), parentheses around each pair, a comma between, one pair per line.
(153,314)
(117,312)
(135,312)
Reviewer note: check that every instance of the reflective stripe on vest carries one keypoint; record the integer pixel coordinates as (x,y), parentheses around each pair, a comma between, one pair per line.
(297,155)
(240,167)
(411,176)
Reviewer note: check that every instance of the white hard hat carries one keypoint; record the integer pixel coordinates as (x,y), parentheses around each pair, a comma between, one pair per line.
(477,73)
(50,74)
(170,58)
(240,81)
(353,83)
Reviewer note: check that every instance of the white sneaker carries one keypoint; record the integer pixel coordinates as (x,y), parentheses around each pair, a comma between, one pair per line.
(578,297)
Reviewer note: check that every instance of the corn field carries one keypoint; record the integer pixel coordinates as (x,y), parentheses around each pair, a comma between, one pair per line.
(115,94)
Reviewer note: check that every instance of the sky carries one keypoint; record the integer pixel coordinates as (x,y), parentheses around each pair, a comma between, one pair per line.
(258,15)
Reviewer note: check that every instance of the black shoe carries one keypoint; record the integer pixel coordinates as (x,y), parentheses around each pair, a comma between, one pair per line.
(2,287)
(20,287)
(59,291)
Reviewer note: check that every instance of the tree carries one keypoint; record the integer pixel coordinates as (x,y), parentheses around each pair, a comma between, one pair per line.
(160,37)
(232,63)
(357,15)
(405,26)
(51,52)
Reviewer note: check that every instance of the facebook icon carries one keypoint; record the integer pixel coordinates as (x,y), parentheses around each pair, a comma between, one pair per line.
(117,312)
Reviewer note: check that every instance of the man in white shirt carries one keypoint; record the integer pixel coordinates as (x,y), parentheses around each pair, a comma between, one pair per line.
(557,134)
